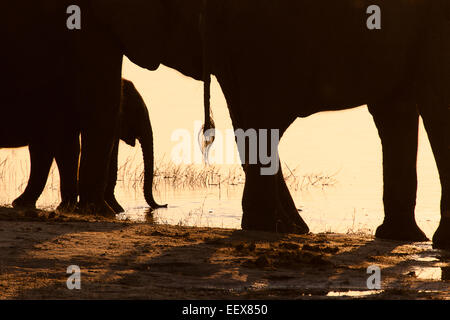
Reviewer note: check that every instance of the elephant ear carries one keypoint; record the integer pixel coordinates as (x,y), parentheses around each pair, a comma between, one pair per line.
(138,26)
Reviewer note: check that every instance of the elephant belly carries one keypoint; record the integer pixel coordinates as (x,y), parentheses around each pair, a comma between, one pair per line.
(13,137)
(322,54)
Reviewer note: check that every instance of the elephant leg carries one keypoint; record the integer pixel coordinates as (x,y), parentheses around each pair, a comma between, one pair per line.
(436,118)
(112,180)
(97,142)
(41,157)
(67,157)
(267,203)
(288,208)
(397,125)
(258,201)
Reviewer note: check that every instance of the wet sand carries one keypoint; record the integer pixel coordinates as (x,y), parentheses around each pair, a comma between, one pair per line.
(124,260)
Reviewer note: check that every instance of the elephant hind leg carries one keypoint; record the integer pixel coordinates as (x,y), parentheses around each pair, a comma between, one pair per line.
(397,124)
(41,157)
(288,208)
(436,118)
(267,204)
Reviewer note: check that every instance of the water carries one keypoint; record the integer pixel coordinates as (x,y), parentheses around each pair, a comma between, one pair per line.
(354,294)
(343,144)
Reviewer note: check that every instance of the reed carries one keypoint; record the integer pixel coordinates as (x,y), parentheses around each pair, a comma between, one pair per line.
(14,175)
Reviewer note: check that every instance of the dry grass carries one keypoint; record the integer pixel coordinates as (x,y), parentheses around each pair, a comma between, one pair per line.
(14,174)
(209,176)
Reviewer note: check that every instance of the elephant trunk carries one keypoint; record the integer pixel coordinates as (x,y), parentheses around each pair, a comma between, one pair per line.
(146,141)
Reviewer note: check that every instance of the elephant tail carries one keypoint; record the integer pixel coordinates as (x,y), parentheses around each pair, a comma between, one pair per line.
(208,131)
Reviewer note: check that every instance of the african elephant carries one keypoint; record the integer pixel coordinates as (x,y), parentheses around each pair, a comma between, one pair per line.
(134,124)
(58,80)
(275,61)
(279,60)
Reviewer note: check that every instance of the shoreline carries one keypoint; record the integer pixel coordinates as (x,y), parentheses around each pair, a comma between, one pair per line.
(127,260)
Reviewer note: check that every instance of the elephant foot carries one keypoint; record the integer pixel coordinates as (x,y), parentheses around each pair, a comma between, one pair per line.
(291,222)
(441,238)
(251,222)
(112,202)
(280,223)
(155,206)
(292,227)
(94,209)
(22,203)
(152,203)
(67,207)
(401,231)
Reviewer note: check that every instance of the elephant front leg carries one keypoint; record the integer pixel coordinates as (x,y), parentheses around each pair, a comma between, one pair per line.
(436,117)
(41,157)
(112,180)
(397,125)
(97,142)
(67,157)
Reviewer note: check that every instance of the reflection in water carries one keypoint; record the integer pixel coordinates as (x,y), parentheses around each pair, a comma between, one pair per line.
(203,207)
(354,294)
(144,214)
(431,265)
(429,273)
(425,258)
(432,273)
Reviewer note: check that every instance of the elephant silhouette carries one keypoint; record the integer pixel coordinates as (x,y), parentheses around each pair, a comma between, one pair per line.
(59,82)
(274,60)
(279,60)
(134,125)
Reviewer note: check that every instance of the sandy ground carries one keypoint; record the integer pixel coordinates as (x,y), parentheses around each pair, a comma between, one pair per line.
(123,260)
